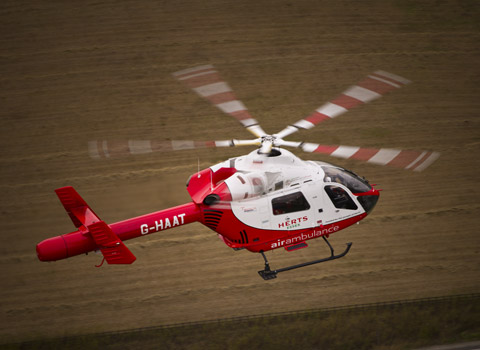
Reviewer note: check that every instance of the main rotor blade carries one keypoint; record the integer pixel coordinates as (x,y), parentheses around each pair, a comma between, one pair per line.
(113,149)
(413,160)
(206,82)
(372,87)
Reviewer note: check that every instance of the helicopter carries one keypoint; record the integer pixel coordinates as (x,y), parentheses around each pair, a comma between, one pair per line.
(265,200)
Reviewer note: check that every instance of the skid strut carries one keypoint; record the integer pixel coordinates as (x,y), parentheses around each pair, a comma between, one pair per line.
(268,274)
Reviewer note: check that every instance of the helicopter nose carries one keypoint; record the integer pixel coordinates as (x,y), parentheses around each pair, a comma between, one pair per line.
(369,200)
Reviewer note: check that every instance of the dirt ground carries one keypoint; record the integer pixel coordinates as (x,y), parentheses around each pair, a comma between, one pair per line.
(78,71)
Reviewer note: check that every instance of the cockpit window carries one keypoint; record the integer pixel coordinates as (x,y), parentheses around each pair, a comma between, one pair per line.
(290,203)
(347,178)
(340,198)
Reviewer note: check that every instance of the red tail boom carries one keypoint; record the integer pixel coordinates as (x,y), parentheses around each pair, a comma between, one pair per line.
(83,241)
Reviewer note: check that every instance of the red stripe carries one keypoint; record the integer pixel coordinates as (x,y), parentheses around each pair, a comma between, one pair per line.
(199,144)
(241,115)
(209,143)
(316,118)
(161,146)
(346,101)
(364,153)
(325,149)
(404,158)
(222,97)
(116,148)
(387,78)
(377,86)
(203,80)
(423,159)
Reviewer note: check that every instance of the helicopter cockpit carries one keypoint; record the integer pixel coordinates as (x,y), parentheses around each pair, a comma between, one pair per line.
(354,183)
(347,178)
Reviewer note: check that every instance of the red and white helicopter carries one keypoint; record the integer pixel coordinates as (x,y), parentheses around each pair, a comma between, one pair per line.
(267,199)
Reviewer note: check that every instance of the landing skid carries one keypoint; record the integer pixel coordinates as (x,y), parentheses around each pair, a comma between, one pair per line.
(268,274)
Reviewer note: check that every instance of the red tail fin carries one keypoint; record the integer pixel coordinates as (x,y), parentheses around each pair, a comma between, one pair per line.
(76,207)
(112,248)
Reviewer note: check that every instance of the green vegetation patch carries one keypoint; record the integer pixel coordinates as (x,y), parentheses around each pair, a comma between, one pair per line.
(399,325)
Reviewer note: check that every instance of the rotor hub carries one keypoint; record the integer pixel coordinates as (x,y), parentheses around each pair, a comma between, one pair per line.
(269,138)
(267,142)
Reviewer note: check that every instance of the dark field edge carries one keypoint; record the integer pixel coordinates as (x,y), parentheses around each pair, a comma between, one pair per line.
(401,324)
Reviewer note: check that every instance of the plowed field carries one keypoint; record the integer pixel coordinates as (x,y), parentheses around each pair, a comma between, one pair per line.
(78,71)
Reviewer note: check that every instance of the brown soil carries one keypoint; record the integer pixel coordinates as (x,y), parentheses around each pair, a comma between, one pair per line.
(72,72)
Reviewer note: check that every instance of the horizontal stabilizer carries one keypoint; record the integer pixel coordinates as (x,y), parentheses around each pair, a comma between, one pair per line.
(112,248)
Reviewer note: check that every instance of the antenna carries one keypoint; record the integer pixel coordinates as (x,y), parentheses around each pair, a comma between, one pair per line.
(211,180)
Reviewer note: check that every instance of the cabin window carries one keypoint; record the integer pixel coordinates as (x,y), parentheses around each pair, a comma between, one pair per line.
(289,203)
(340,198)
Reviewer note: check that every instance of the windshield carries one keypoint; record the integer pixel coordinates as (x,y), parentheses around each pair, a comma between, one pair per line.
(347,178)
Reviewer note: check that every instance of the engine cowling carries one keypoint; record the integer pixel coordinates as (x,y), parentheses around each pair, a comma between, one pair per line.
(246,185)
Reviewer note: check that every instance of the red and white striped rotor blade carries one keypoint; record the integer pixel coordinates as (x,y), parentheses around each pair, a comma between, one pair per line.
(372,87)
(413,160)
(206,82)
(114,149)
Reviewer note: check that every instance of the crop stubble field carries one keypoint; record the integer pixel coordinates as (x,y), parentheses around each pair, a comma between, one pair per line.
(72,73)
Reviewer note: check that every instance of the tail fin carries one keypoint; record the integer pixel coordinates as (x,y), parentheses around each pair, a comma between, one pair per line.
(112,248)
(76,207)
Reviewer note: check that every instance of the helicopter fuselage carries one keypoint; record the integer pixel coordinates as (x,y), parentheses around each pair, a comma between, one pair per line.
(262,203)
